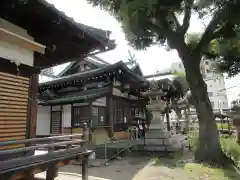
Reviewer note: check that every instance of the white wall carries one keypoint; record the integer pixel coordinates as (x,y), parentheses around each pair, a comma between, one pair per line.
(66,115)
(217,92)
(11,51)
(43,120)
(215,83)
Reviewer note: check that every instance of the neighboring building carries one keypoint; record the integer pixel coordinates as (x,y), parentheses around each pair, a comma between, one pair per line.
(215,83)
(106,97)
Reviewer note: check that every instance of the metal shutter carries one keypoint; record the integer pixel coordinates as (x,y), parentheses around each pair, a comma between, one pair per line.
(56,122)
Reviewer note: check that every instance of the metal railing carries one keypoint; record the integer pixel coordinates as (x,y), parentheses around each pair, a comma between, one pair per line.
(133,135)
(71,146)
(111,139)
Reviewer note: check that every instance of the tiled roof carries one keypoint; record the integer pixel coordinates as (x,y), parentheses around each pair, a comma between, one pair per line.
(82,96)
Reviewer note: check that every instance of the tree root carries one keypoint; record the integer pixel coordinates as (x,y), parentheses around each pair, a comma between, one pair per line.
(220,161)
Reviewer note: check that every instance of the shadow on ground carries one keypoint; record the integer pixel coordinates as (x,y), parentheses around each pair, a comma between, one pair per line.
(124,169)
(178,160)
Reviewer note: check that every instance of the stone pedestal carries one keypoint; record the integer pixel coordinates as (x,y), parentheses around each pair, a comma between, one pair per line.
(157,121)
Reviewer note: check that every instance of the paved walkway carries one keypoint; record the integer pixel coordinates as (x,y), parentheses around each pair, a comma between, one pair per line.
(68,176)
(129,168)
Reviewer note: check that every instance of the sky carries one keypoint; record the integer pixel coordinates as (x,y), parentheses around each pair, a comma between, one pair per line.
(153,59)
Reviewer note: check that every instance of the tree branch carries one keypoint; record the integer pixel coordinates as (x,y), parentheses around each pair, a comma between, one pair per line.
(209,32)
(187,15)
(178,29)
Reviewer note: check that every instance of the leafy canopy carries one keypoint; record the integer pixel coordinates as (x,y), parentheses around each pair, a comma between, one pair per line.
(165,22)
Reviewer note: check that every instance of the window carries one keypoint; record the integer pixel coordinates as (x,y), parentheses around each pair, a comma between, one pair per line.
(219,104)
(206,62)
(118,111)
(207,71)
(98,116)
(212,103)
(95,111)
(121,111)
(80,116)
(210,94)
(94,116)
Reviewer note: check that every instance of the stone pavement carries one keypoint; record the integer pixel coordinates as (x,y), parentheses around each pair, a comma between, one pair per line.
(129,168)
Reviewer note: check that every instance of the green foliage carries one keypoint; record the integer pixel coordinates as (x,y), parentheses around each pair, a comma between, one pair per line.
(144,22)
(180,74)
(229,146)
(224,51)
(227,52)
(222,126)
(193,138)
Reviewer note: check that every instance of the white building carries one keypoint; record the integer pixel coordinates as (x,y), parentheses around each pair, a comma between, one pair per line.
(215,83)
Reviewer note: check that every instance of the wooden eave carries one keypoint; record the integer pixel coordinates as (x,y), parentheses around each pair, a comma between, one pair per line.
(20,41)
(136,69)
(65,40)
(72,66)
(96,75)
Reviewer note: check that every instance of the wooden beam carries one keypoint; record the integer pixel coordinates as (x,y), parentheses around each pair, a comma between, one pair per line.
(110,112)
(11,68)
(32,117)
(21,41)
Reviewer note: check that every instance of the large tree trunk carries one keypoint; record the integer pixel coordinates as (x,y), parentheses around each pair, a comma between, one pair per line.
(209,148)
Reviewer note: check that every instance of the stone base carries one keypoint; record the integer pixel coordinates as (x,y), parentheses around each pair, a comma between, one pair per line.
(160,140)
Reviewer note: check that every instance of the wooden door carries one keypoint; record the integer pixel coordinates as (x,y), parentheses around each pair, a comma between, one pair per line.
(56,122)
(13,108)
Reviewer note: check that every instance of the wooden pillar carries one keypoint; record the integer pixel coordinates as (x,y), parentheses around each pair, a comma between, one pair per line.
(51,172)
(110,113)
(90,123)
(52,168)
(85,168)
(33,105)
(85,158)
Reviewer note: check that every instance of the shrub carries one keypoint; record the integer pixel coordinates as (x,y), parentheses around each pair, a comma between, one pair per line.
(193,140)
(229,146)
(222,126)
